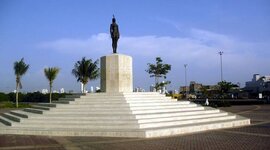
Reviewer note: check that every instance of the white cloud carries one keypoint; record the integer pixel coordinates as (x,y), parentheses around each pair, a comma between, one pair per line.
(199,49)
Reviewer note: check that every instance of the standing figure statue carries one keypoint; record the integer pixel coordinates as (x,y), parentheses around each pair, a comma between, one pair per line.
(114,34)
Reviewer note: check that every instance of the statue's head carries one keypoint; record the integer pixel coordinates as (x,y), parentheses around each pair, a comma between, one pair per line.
(113,19)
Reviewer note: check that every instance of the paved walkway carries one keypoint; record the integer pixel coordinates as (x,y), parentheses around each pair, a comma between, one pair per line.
(254,137)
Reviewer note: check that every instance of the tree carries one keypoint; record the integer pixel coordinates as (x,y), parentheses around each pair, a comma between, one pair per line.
(158,70)
(51,74)
(85,70)
(20,68)
(225,86)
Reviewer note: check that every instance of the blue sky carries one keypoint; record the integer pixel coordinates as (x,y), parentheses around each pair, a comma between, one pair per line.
(51,33)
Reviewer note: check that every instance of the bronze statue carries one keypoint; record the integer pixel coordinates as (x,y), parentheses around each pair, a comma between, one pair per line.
(114,34)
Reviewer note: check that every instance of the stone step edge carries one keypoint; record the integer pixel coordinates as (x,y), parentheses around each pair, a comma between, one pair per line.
(131,122)
(149,133)
(109,119)
(24,114)
(165,131)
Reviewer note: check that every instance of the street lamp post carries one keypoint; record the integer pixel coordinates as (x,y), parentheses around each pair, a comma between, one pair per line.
(221,71)
(185,65)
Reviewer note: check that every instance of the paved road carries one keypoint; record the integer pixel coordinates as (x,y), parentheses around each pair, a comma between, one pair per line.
(254,137)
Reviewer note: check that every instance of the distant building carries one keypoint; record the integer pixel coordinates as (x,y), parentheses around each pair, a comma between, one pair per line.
(44,91)
(138,89)
(184,89)
(258,84)
(152,88)
(175,92)
(82,90)
(91,89)
(195,88)
(62,90)
(55,91)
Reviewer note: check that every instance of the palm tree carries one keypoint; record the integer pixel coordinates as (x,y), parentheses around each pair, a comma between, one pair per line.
(20,69)
(51,74)
(85,70)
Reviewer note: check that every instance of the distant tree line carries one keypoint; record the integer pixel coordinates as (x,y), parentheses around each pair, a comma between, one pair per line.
(30,97)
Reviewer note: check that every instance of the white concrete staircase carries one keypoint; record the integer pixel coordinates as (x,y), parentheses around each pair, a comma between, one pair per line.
(144,114)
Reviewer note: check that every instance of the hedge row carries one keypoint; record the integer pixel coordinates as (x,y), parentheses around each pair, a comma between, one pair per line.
(30,97)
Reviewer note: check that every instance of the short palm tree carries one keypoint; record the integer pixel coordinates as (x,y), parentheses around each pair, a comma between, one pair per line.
(51,74)
(85,70)
(20,68)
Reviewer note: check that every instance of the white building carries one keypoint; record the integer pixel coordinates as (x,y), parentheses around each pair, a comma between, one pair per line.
(44,91)
(62,90)
(138,89)
(152,88)
(258,84)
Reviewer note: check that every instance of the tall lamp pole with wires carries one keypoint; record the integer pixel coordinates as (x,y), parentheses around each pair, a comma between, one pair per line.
(185,65)
(221,71)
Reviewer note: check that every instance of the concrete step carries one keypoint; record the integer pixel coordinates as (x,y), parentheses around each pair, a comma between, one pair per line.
(183,122)
(143,133)
(93,105)
(167,110)
(97,104)
(80,126)
(150,99)
(46,104)
(103,115)
(11,117)
(5,121)
(139,102)
(120,96)
(125,125)
(20,113)
(161,103)
(33,110)
(75,95)
(115,107)
(83,117)
(74,132)
(177,113)
(184,129)
(98,116)
(112,111)
(86,112)
(123,94)
(60,102)
(112,120)
(80,121)
(179,118)
(41,107)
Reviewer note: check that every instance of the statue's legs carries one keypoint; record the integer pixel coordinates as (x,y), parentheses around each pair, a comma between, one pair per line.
(114,45)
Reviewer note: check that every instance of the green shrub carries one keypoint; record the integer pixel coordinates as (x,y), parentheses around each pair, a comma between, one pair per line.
(4,97)
(7,105)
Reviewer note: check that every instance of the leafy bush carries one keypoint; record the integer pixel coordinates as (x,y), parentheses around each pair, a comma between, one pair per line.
(35,97)
(4,97)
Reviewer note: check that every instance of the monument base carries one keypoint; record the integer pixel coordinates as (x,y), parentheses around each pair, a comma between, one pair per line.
(116,73)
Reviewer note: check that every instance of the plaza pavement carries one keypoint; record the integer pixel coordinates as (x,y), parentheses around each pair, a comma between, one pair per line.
(254,137)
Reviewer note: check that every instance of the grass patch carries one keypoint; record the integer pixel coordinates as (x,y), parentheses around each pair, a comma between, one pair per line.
(13,105)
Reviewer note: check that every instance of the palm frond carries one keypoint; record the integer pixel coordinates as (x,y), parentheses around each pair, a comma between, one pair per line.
(85,70)
(51,73)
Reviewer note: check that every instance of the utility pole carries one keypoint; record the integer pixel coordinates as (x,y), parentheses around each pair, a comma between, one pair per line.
(185,65)
(221,71)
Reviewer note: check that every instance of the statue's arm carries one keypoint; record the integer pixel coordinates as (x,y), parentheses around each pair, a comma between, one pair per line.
(111,29)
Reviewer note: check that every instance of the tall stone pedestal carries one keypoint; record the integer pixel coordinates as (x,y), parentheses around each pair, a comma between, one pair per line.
(116,73)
